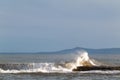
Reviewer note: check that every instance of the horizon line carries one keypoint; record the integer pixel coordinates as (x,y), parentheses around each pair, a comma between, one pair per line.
(56,50)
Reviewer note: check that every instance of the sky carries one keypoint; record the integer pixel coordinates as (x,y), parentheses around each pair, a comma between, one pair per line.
(51,25)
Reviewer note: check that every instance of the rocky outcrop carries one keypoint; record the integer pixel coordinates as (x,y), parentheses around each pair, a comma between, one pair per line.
(103,68)
(14,66)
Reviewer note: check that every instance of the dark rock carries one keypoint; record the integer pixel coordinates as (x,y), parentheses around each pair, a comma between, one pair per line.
(14,66)
(103,68)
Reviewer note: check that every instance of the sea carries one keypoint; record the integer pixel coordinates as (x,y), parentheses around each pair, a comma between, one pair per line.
(55,66)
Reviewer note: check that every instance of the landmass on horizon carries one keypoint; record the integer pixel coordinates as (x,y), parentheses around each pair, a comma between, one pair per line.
(89,50)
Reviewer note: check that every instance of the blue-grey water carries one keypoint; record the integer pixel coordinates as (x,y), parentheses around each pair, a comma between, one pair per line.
(111,59)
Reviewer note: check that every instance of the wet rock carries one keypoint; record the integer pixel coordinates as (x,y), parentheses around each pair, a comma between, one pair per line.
(103,68)
(14,66)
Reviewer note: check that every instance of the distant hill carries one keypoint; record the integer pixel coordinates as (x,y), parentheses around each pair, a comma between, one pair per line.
(73,50)
(100,51)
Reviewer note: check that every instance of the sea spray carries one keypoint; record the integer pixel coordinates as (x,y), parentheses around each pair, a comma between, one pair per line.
(81,59)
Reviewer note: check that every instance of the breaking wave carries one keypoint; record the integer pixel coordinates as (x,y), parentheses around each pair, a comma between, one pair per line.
(81,59)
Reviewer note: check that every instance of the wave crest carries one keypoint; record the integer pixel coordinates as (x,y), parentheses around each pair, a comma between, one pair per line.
(82,59)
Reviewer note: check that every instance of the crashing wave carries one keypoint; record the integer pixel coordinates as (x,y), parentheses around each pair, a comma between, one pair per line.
(82,59)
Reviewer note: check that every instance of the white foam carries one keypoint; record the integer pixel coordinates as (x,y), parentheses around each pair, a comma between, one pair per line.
(81,60)
(101,72)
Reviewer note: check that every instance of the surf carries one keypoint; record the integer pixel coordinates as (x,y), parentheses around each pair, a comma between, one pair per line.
(81,60)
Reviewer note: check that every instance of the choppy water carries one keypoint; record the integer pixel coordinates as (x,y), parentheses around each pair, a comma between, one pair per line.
(42,66)
(60,76)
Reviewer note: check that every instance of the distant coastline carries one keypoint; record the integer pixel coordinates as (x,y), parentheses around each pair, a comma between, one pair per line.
(65,51)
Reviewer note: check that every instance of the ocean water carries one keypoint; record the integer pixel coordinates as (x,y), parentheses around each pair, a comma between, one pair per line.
(57,66)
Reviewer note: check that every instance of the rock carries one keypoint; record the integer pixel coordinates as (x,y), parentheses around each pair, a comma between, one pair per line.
(103,68)
(14,66)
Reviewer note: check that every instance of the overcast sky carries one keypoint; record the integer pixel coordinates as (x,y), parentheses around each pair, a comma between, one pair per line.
(51,25)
